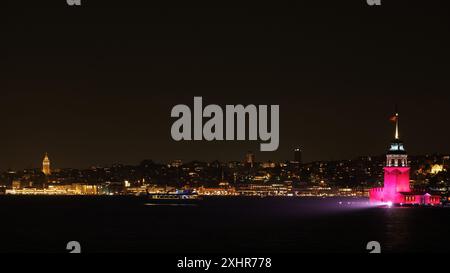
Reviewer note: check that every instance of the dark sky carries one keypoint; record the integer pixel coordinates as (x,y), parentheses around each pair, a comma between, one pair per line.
(95,84)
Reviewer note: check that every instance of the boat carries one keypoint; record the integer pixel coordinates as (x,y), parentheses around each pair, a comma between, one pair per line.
(178,197)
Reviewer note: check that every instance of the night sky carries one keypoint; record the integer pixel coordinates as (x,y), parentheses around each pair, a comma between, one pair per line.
(95,84)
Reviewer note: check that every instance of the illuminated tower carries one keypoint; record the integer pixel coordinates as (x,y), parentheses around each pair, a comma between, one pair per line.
(396,172)
(46,165)
(396,188)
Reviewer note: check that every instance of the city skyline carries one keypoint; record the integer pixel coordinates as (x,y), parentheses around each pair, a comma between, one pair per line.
(428,176)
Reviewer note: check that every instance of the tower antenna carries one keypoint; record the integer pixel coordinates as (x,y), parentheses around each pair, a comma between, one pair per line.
(397,134)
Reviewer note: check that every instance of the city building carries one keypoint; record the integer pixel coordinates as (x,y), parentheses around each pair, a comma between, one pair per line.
(437,168)
(397,190)
(176,164)
(71,189)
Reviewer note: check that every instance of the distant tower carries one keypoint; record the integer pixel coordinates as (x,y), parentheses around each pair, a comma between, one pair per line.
(46,165)
(298,155)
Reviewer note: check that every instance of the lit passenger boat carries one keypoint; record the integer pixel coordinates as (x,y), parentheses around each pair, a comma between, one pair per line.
(177,197)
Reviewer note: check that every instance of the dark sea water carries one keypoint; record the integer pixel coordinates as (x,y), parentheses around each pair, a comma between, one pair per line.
(217,225)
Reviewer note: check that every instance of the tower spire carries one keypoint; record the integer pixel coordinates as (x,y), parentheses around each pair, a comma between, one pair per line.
(397,134)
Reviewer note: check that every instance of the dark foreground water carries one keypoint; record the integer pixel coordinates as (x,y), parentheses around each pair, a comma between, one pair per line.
(219,225)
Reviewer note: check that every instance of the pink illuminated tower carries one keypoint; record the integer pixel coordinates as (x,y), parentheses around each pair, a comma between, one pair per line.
(397,188)
(396,172)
